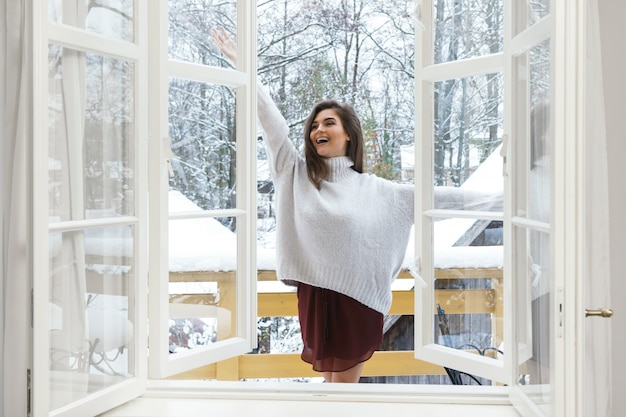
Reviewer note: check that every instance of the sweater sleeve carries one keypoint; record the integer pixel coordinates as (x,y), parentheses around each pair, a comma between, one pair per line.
(405,200)
(455,198)
(281,152)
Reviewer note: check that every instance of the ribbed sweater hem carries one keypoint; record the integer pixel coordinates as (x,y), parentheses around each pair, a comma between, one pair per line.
(375,294)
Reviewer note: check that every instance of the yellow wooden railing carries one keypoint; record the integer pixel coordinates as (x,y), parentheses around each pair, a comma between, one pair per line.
(383,363)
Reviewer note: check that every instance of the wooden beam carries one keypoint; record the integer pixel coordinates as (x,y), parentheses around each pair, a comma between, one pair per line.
(289,365)
(452,301)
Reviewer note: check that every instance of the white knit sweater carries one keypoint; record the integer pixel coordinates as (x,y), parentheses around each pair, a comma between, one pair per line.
(350,236)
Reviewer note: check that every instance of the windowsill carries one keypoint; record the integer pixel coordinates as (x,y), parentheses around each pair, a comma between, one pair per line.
(174,398)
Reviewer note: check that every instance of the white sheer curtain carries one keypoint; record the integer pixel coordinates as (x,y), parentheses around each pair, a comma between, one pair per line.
(598,271)
(16,29)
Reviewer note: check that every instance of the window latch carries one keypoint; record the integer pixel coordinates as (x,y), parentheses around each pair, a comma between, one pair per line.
(415,270)
(503,153)
(167,150)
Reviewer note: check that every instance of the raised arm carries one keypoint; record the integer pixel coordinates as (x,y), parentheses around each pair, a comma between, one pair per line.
(455,198)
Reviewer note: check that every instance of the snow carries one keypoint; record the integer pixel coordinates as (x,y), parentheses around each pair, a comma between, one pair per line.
(488,176)
(199,244)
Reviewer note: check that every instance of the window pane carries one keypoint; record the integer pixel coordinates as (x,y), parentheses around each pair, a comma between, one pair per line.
(468,135)
(203,142)
(533,127)
(111,18)
(529,12)
(91,317)
(533,201)
(203,273)
(540,134)
(91,135)
(191,22)
(469,301)
(534,315)
(465,29)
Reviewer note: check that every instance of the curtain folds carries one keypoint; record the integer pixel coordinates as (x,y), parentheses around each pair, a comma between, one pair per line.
(17,194)
(597,287)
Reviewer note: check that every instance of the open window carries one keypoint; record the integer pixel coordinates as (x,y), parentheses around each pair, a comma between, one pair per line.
(90,217)
(462,306)
(203,186)
(120,113)
(118,121)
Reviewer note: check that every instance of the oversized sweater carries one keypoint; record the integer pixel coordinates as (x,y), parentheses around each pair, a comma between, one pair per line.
(349,236)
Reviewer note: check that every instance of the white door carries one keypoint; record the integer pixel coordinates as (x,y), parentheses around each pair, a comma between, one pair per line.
(599,282)
(613,62)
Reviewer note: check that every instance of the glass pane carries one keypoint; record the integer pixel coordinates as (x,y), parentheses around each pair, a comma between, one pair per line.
(534,201)
(534,133)
(469,301)
(540,134)
(465,29)
(91,135)
(203,142)
(111,18)
(91,317)
(534,315)
(468,135)
(203,274)
(529,12)
(191,22)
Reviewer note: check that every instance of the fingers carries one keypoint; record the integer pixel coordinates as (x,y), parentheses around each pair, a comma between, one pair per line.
(216,37)
(225,43)
(220,37)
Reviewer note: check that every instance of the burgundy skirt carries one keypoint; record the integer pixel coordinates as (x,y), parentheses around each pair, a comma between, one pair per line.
(338,332)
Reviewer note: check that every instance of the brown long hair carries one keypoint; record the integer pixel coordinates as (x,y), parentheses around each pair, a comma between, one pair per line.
(316,166)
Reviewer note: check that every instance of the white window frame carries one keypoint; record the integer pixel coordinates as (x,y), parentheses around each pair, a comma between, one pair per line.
(243,78)
(66,36)
(426,74)
(246,81)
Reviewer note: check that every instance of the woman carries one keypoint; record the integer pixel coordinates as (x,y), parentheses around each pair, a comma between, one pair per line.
(341,234)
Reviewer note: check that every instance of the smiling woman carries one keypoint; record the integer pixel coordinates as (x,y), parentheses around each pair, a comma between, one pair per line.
(328,135)
(342,234)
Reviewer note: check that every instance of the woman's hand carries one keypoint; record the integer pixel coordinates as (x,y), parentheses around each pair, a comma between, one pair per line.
(225,44)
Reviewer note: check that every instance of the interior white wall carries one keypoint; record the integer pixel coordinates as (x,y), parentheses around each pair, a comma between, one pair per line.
(613,33)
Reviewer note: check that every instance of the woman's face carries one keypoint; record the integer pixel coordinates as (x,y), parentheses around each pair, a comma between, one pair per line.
(327,134)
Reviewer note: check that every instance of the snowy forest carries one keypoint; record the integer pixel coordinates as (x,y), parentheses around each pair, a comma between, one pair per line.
(357,51)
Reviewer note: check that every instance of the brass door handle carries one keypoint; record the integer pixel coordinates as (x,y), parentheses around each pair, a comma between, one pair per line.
(602,312)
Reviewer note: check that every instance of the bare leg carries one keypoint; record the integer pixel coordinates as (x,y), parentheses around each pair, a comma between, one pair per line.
(351,375)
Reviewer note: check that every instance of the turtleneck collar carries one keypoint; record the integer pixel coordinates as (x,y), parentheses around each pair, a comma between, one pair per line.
(340,168)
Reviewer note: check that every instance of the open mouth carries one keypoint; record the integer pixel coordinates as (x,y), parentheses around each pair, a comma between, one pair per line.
(321,140)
